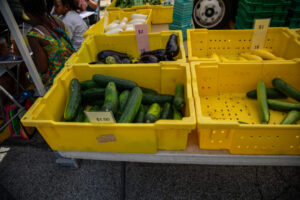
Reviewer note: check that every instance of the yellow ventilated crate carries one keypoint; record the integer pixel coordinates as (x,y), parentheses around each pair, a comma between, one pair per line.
(160,14)
(202,43)
(221,102)
(120,14)
(47,112)
(125,43)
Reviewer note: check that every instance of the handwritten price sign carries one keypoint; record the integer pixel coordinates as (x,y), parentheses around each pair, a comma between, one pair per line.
(142,39)
(259,34)
(100,117)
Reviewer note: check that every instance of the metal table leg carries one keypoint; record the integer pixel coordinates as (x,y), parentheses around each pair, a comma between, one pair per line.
(123,181)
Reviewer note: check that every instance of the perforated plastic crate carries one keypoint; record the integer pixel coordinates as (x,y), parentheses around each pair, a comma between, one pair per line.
(275,6)
(221,102)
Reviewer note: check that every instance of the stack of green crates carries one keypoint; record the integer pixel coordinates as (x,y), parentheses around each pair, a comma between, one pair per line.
(249,10)
(182,16)
(294,15)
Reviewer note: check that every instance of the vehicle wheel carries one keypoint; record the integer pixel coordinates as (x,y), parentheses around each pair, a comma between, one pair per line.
(211,13)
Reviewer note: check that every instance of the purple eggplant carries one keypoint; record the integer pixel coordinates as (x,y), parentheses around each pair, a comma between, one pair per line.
(159,53)
(149,59)
(103,54)
(172,48)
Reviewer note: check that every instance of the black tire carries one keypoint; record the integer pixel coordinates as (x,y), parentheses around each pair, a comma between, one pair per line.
(216,13)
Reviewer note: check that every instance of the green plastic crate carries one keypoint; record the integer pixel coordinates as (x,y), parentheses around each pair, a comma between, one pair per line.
(294,23)
(277,6)
(240,23)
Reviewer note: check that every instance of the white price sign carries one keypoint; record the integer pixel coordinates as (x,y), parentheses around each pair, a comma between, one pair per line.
(142,39)
(259,34)
(100,117)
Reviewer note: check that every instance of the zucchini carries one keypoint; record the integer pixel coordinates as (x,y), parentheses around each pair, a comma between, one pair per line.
(176,114)
(263,108)
(103,80)
(80,115)
(132,106)
(167,112)
(123,99)
(74,100)
(272,93)
(286,89)
(111,101)
(148,91)
(240,122)
(98,102)
(93,94)
(157,98)
(153,113)
(95,108)
(141,115)
(179,97)
(85,85)
(291,118)
(282,106)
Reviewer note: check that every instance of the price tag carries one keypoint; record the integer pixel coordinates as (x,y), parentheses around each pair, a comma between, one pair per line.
(100,117)
(142,39)
(259,34)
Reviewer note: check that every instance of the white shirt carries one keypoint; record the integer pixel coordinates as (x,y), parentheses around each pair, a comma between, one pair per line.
(76,27)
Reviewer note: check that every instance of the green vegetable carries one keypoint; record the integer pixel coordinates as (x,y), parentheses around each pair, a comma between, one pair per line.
(98,102)
(14,123)
(157,98)
(282,106)
(176,114)
(85,85)
(111,101)
(167,112)
(148,91)
(93,94)
(80,115)
(141,115)
(103,80)
(286,89)
(73,101)
(95,108)
(132,106)
(123,99)
(263,108)
(179,97)
(110,60)
(153,113)
(240,122)
(291,118)
(272,93)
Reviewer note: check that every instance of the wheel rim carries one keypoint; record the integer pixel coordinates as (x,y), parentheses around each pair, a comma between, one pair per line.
(209,13)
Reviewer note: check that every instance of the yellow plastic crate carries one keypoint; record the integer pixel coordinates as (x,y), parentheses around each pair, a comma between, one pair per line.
(220,101)
(160,14)
(47,112)
(202,43)
(125,43)
(112,15)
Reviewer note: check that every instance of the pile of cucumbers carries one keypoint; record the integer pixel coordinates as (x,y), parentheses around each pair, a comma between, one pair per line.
(265,97)
(128,102)
(155,56)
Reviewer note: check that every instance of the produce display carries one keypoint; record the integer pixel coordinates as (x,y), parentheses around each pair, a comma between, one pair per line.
(265,98)
(155,56)
(130,3)
(255,55)
(119,25)
(128,102)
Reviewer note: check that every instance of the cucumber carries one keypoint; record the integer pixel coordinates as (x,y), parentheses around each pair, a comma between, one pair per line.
(93,94)
(103,80)
(95,108)
(263,108)
(141,115)
(111,101)
(286,89)
(132,106)
(14,123)
(80,115)
(272,93)
(73,101)
(148,91)
(153,113)
(291,118)
(98,102)
(176,114)
(240,122)
(85,85)
(282,106)
(167,112)
(157,98)
(179,97)
(123,99)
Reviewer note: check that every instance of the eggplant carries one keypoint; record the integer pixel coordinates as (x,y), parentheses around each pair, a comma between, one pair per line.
(172,48)
(110,60)
(126,61)
(96,62)
(103,54)
(148,59)
(117,58)
(167,58)
(159,53)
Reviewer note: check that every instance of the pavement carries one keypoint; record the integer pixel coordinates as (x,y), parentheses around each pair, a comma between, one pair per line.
(28,171)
